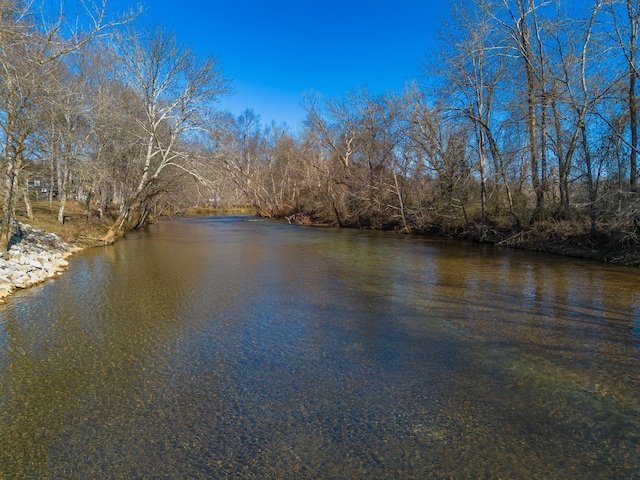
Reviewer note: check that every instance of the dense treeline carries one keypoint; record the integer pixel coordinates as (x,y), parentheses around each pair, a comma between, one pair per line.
(526,117)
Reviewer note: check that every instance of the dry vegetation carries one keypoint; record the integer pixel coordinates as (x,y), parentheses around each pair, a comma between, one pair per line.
(85,230)
(78,229)
(571,239)
(221,211)
(556,237)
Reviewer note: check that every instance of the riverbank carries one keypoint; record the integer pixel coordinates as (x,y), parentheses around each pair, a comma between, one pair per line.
(34,256)
(569,239)
(40,246)
(563,238)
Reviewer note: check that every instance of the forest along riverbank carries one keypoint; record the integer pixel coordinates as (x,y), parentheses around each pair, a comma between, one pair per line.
(33,257)
(564,238)
(36,255)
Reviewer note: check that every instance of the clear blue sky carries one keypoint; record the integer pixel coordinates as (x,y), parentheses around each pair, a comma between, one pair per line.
(277,50)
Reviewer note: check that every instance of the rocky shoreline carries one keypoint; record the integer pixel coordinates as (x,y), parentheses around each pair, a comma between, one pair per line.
(33,257)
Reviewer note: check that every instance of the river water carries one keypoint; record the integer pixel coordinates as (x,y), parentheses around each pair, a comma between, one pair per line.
(227,347)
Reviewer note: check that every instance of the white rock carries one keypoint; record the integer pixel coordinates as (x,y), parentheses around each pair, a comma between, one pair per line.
(34,262)
(34,256)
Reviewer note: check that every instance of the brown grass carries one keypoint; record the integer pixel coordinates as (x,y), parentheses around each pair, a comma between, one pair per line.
(77,228)
(87,232)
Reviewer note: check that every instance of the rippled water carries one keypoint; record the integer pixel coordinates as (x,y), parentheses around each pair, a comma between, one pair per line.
(233,348)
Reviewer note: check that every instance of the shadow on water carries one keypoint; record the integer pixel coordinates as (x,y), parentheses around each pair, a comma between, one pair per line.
(227,348)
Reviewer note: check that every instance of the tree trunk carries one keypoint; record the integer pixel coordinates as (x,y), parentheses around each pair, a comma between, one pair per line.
(633,106)
(27,201)
(499,165)
(8,206)
(483,174)
(563,165)
(62,192)
(52,176)
(532,127)
(114,231)
(533,142)
(633,124)
(590,181)
(543,145)
(13,158)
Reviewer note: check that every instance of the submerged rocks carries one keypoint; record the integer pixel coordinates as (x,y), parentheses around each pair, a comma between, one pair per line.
(33,257)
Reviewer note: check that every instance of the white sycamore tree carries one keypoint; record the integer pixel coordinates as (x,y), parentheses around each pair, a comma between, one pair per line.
(173,92)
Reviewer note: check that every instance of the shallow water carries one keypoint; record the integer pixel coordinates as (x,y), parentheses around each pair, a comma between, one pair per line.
(226,347)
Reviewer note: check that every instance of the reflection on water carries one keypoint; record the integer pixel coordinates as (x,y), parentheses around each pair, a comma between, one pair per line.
(224,348)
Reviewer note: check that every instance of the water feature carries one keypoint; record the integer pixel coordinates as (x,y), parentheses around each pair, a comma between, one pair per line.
(225,347)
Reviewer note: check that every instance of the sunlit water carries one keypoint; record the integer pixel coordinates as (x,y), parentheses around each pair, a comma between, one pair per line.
(234,348)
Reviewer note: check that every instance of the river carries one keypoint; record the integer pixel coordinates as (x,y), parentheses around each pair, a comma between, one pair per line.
(228,347)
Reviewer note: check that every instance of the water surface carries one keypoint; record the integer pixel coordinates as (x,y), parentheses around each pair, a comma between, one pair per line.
(226,347)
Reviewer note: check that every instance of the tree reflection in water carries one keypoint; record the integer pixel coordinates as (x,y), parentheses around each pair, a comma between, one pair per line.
(222,348)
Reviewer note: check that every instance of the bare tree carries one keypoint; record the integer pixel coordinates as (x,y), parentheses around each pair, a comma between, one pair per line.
(523,19)
(174,92)
(67,114)
(30,48)
(476,62)
(625,15)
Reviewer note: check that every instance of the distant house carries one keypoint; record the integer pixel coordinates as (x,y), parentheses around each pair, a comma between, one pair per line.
(36,186)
